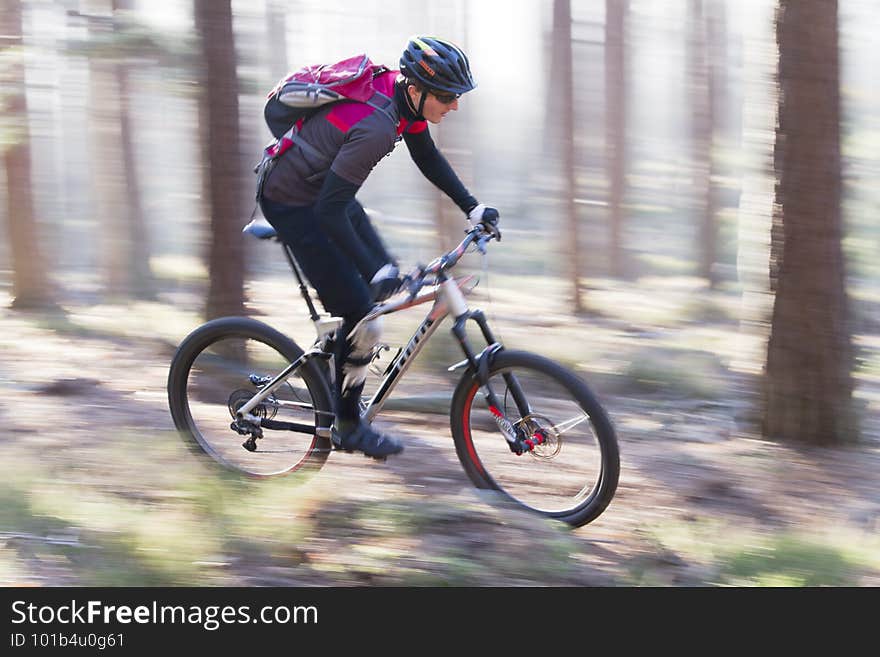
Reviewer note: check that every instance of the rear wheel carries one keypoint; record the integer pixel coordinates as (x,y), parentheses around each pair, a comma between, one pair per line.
(218,368)
(572,474)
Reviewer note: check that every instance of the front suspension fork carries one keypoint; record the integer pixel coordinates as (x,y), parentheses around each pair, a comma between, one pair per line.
(516,439)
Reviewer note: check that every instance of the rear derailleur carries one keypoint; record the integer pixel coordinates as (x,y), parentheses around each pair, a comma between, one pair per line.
(246,427)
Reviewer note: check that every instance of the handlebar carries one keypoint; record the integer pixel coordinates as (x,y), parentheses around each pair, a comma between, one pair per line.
(423,276)
(418,278)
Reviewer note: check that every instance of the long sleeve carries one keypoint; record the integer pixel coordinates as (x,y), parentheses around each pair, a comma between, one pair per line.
(362,149)
(331,211)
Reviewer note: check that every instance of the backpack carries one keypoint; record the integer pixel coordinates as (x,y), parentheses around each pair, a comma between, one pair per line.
(302,93)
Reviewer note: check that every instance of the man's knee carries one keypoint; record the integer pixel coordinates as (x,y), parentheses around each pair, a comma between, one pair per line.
(357,357)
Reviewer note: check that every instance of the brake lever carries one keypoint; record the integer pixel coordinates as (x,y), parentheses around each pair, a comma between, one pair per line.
(488,232)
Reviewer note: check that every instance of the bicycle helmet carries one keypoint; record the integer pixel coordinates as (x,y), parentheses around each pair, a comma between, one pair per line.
(437,64)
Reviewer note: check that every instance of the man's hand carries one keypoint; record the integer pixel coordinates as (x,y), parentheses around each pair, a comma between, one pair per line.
(386,283)
(487,218)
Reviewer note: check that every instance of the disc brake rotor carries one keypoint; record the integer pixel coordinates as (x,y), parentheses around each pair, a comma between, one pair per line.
(535,426)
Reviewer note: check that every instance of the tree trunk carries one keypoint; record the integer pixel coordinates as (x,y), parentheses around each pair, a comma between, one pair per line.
(808,384)
(716,52)
(615,127)
(122,225)
(105,131)
(702,126)
(451,222)
(31,287)
(220,140)
(562,69)
(141,283)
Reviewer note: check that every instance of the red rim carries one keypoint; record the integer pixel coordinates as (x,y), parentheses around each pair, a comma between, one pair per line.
(466,428)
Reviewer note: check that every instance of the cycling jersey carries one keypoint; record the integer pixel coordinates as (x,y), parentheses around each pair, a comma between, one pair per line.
(299,173)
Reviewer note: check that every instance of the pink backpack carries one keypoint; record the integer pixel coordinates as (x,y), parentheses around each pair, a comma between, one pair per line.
(295,98)
(298,95)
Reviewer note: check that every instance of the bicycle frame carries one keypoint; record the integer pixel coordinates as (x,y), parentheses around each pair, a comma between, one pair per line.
(446,296)
(448,299)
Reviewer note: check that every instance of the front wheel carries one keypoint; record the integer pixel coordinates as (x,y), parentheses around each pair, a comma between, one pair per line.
(218,368)
(572,475)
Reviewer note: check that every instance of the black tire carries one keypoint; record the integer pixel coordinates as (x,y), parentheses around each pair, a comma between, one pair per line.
(209,375)
(573,476)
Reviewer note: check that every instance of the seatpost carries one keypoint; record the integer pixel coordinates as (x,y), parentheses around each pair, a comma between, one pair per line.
(313,314)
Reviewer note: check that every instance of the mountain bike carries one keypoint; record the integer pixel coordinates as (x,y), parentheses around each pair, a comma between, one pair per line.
(521,423)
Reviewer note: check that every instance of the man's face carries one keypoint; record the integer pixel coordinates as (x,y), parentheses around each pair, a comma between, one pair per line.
(436,105)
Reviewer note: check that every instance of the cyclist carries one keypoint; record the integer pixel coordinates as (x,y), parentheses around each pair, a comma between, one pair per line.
(309,198)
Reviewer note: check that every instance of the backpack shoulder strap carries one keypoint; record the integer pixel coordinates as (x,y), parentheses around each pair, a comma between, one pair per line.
(308,148)
(384,104)
(383,92)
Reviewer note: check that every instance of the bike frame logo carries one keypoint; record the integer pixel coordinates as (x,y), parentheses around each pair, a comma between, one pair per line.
(412,344)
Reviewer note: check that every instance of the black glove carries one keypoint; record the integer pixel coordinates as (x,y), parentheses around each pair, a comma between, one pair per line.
(386,283)
(487,218)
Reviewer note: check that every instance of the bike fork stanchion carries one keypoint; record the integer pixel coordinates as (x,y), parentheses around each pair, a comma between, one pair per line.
(480,318)
(522,404)
(516,390)
(480,366)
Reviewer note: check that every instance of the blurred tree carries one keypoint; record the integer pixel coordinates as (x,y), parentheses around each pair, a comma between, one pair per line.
(222,155)
(615,125)
(141,282)
(702,98)
(716,53)
(450,222)
(562,71)
(31,287)
(114,42)
(808,381)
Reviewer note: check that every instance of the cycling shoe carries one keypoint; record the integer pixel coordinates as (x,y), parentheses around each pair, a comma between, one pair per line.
(362,437)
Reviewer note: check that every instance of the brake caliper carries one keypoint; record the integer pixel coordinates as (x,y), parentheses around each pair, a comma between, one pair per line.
(538,438)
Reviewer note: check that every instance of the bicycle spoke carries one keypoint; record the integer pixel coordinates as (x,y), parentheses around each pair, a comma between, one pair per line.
(568,425)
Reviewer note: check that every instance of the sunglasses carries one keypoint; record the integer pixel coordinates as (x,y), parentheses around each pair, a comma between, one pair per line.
(446,99)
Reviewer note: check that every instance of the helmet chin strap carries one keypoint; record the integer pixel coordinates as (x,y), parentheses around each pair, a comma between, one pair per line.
(417,110)
(422,105)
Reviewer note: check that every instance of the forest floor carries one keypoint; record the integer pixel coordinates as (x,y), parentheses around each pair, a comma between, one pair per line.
(96,488)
